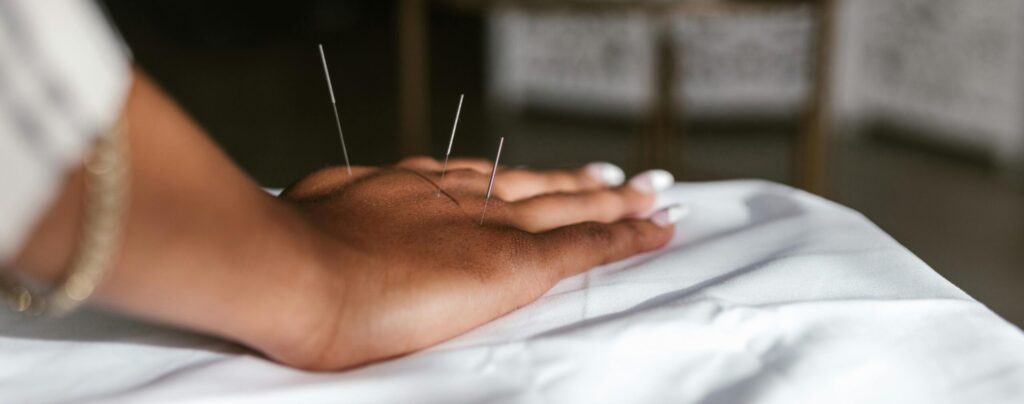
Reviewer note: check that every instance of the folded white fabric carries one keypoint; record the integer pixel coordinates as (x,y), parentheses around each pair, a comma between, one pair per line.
(767,294)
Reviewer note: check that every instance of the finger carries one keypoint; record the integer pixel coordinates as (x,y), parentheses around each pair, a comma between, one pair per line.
(573,249)
(549,211)
(425,163)
(521,184)
(479,165)
(464,181)
(324,181)
(422,163)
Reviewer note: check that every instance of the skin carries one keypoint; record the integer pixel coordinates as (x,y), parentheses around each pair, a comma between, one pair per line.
(340,270)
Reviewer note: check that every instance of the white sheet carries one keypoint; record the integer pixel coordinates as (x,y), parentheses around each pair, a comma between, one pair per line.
(767,294)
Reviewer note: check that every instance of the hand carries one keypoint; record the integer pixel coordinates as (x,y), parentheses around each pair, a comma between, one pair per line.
(342,270)
(405,266)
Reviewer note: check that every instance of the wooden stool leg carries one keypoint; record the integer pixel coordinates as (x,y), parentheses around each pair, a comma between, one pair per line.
(413,108)
(660,146)
(811,146)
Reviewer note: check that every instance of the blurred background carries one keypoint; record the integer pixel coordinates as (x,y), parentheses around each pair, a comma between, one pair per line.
(909,111)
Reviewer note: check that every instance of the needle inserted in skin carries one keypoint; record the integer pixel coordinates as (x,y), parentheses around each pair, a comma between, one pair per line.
(334,104)
(490,186)
(450,141)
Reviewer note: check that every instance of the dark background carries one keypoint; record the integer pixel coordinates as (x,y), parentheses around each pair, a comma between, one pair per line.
(251,75)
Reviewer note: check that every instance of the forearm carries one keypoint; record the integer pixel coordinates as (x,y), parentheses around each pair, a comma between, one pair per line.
(200,239)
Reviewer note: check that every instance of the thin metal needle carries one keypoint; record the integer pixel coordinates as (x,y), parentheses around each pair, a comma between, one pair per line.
(450,142)
(452,139)
(334,104)
(490,186)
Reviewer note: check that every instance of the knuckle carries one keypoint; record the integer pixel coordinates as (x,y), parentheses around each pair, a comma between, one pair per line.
(609,200)
(471,161)
(583,178)
(315,182)
(566,180)
(415,161)
(611,205)
(599,234)
(525,258)
(514,176)
(633,200)
(644,235)
(640,237)
(503,189)
(463,174)
(327,173)
(527,217)
(511,254)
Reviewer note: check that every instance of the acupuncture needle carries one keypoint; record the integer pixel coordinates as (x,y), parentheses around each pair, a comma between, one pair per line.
(334,104)
(490,186)
(450,141)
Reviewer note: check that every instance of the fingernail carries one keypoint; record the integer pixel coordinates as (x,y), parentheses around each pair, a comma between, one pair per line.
(670,215)
(607,173)
(652,181)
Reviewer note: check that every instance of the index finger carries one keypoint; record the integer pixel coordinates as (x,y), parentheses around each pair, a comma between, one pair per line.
(573,249)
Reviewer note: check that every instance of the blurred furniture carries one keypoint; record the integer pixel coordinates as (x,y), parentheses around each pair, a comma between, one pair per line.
(661,143)
(947,75)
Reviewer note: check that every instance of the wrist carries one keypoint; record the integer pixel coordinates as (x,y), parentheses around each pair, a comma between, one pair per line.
(240,277)
(296,291)
(309,311)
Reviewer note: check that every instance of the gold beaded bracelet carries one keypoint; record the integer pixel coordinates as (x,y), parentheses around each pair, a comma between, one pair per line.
(107,184)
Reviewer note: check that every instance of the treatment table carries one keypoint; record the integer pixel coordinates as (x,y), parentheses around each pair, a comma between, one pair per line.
(767,294)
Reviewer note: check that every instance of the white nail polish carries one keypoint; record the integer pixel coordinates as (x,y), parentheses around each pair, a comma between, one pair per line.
(651,181)
(608,173)
(670,215)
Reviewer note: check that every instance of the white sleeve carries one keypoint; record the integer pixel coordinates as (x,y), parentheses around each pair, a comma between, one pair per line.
(64,74)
